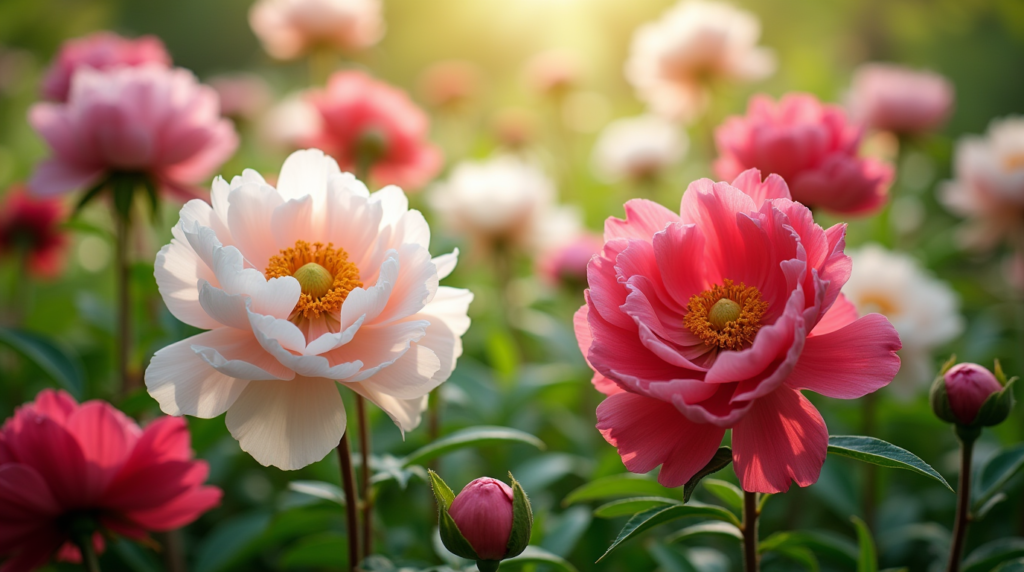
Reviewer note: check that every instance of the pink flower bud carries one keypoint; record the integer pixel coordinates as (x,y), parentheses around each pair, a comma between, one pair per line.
(483,513)
(968,385)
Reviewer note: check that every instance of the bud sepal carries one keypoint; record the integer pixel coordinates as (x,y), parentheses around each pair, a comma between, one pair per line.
(451,536)
(995,408)
(522,520)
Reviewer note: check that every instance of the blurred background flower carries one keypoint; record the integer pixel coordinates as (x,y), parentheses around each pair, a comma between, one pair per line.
(291,28)
(901,100)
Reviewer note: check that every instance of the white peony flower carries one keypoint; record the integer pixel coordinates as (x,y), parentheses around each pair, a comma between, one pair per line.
(989,184)
(291,120)
(695,42)
(301,287)
(638,148)
(924,310)
(506,200)
(291,28)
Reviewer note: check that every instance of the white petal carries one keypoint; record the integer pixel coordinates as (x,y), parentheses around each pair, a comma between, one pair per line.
(352,222)
(416,284)
(368,303)
(411,376)
(178,271)
(306,173)
(250,212)
(184,384)
(406,413)
(293,221)
(394,203)
(448,322)
(275,335)
(446,263)
(288,424)
(236,353)
(379,346)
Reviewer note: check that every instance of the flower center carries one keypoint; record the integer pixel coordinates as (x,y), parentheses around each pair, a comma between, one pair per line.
(324,273)
(880,303)
(726,316)
(1014,161)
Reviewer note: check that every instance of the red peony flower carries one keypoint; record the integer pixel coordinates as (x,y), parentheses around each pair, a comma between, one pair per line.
(365,120)
(67,468)
(810,145)
(100,51)
(32,225)
(716,319)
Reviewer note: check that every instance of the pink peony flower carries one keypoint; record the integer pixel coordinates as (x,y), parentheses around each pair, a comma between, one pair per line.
(810,145)
(302,287)
(148,119)
(100,51)
(988,187)
(716,319)
(894,98)
(968,385)
(31,225)
(242,95)
(553,73)
(449,84)
(290,28)
(483,513)
(367,120)
(673,61)
(65,465)
(567,262)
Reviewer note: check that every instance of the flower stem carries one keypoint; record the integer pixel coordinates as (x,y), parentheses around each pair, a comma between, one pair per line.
(751,561)
(89,559)
(348,484)
(123,303)
(869,427)
(963,499)
(365,491)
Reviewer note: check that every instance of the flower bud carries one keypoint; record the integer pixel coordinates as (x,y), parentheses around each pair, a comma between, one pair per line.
(483,513)
(971,396)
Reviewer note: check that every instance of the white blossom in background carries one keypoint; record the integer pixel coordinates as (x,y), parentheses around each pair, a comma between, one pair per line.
(696,42)
(290,121)
(924,310)
(988,187)
(291,28)
(638,148)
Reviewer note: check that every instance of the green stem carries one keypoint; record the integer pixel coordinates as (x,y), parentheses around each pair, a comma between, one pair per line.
(348,484)
(90,561)
(869,427)
(751,560)
(123,302)
(365,490)
(963,499)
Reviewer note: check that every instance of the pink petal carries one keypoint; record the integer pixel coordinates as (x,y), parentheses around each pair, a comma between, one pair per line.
(841,313)
(57,405)
(648,432)
(679,250)
(106,437)
(24,495)
(53,177)
(773,187)
(55,454)
(781,439)
(154,485)
(643,219)
(851,361)
(180,511)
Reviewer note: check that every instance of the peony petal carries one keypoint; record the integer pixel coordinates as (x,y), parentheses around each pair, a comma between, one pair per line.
(643,219)
(648,432)
(53,177)
(405,413)
(840,314)
(410,376)
(182,510)
(306,173)
(288,424)
(448,323)
(24,495)
(250,216)
(781,439)
(106,437)
(445,263)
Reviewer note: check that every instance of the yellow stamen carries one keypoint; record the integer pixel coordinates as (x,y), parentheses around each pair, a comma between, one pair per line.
(726,316)
(1014,162)
(325,274)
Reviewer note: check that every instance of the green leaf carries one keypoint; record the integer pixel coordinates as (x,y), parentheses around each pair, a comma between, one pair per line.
(719,461)
(621,485)
(659,515)
(230,541)
(988,556)
(61,366)
(319,489)
(801,555)
(535,555)
(835,547)
(469,437)
(623,507)
(522,520)
(442,492)
(984,509)
(135,556)
(867,559)
(726,492)
(706,528)
(326,550)
(881,453)
(996,473)
(1015,566)
(89,195)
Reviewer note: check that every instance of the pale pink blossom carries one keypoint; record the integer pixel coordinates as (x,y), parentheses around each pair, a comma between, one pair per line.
(449,84)
(291,28)
(567,261)
(810,145)
(717,318)
(242,95)
(289,122)
(695,43)
(365,120)
(638,148)
(301,287)
(893,98)
(63,465)
(100,51)
(988,188)
(553,73)
(152,120)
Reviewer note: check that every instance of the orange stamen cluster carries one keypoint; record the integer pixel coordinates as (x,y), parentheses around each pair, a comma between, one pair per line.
(316,300)
(726,316)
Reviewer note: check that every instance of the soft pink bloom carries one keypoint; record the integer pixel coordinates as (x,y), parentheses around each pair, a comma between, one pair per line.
(810,145)
(695,44)
(147,119)
(291,28)
(553,72)
(32,225)
(100,51)
(483,513)
(968,385)
(988,187)
(515,127)
(894,98)
(361,115)
(242,95)
(60,461)
(567,262)
(449,84)
(716,319)
(302,287)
